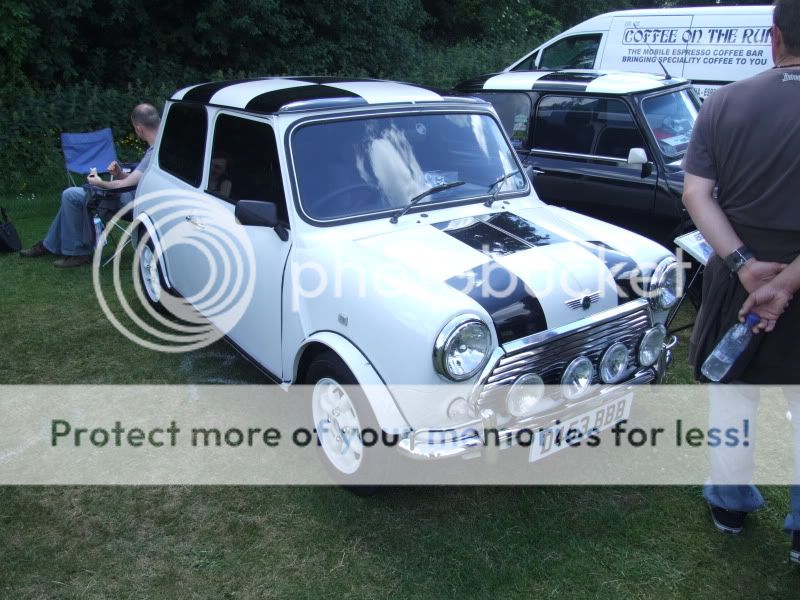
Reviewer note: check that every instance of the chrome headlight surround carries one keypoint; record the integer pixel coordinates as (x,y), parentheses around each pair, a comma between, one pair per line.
(614,363)
(525,395)
(473,336)
(663,290)
(577,378)
(651,345)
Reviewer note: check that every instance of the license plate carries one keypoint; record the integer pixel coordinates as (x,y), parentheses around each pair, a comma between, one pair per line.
(580,428)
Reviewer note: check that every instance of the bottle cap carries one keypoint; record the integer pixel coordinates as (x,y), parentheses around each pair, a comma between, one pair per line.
(752,319)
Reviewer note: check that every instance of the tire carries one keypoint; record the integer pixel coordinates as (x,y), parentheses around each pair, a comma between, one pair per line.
(340,413)
(151,277)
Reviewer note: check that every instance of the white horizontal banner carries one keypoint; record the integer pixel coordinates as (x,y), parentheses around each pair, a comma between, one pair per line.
(264,435)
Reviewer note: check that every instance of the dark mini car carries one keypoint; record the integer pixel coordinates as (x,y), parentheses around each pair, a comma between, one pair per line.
(609,144)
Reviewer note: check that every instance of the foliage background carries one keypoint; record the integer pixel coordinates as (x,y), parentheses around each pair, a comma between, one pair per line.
(78,65)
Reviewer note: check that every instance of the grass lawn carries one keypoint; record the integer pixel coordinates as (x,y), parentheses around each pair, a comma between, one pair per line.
(261,542)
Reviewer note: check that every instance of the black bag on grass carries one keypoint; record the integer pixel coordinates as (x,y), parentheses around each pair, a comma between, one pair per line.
(9,238)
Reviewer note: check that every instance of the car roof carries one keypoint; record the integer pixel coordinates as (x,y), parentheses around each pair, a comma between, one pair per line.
(278,94)
(571,80)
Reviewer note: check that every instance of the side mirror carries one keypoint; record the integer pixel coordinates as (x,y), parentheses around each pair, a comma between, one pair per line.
(260,214)
(637,156)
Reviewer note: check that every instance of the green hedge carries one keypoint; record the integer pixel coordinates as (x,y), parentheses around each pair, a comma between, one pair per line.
(31,120)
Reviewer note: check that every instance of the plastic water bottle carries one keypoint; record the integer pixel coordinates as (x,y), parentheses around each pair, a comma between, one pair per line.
(98,230)
(730,347)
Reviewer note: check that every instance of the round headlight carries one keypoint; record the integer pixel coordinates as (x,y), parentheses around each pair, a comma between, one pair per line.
(614,363)
(651,345)
(665,285)
(525,395)
(577,378)
(462,348)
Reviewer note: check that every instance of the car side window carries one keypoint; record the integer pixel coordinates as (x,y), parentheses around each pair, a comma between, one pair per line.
(584,125)
(514,110)
(183,142)
(564,124)
(245,154)
(574,52)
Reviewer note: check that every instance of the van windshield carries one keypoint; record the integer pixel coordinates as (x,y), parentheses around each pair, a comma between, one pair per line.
(352,167)
(671,118)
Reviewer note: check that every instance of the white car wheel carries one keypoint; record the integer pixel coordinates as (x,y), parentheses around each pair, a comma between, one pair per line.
(338,426)
(341,414)
(150,276)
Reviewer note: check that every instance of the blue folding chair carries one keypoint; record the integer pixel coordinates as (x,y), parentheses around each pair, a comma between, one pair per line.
(85,151)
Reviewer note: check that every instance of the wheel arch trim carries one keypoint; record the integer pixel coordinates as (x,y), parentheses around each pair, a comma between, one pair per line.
(383,404)
(144,221)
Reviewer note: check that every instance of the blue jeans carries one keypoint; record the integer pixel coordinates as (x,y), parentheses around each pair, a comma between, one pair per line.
(71,233)
(728,406)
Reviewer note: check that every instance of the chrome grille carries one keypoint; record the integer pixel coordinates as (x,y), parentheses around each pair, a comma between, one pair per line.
(550,357)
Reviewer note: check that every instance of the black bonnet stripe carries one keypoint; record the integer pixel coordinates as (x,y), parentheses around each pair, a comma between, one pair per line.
(272,101)
(484,238)
(622,267)
(499,234)
(514,310)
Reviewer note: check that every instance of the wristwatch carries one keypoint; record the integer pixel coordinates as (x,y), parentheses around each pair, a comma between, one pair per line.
(736,259)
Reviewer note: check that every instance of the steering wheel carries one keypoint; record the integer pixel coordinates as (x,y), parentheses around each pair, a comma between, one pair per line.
(353,198)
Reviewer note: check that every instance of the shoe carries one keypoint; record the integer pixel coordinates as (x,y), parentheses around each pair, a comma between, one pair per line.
(794,553)
(727,521)
(73,261)
(35,251)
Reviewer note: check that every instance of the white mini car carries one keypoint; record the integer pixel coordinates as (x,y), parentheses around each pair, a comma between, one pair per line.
(381,234)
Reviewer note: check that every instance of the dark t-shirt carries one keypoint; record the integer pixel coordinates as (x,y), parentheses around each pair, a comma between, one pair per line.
(747,139)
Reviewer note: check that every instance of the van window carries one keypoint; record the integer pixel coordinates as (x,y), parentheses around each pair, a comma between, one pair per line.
(183,142)
(581,125)
(514,110)
(574,52)
(250,155)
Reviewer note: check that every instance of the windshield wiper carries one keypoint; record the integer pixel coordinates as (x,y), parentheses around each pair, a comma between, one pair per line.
(496,186)
(416,199)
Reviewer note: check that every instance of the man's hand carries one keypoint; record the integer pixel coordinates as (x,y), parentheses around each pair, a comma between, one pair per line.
(768,302)
(94,179)
(115,170)
(755,273)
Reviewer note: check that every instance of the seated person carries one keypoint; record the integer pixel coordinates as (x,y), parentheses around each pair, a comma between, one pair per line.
(71,233)
(219,182)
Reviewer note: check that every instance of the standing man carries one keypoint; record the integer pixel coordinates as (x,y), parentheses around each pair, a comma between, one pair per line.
(71,232)
(747,142)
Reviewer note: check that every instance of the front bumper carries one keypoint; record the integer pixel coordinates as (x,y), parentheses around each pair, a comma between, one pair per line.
(469,439)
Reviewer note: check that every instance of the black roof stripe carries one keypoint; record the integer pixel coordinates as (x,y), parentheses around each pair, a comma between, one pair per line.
(204,91)
(565,76)
(270,102)
(476,83)
(330,80)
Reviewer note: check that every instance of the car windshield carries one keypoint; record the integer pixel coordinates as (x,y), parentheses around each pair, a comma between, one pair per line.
(348,168)
(671,118)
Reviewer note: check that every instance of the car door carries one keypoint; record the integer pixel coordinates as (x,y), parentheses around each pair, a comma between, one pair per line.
(579,150)
(234,272)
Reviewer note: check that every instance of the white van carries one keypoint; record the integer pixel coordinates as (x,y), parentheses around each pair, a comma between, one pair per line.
(711,46)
